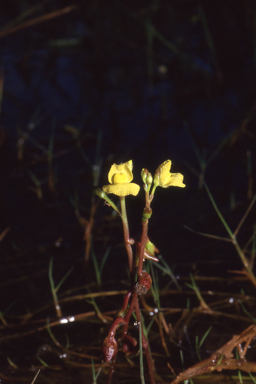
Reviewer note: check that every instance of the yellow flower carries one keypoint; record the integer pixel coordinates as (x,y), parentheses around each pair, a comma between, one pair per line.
(120,177)
(164,178)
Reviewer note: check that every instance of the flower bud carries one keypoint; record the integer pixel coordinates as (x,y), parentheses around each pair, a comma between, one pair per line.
(149,180)
(109,348)
(144,174)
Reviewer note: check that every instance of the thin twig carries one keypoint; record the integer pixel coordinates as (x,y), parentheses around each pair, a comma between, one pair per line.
(245,215)
(208,235)
(38,20)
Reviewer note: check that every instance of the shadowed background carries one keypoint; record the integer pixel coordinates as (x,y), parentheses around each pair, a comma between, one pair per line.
(86,84)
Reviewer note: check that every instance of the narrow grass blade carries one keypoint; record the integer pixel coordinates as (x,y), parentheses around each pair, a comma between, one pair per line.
(245,215)
(170,273)
(42,362)
(96,267)
(155,287)
(251,376)
(104,259)
(239,374)
(93,373)
(54,295)
(208,235)
(247,312)
(204,336)
(36,376)
(200,343)
(97,310)
(195,288)
(218,212)
(150,325)
(241,254)
(52,335)
(141,355)
(11,363)
(63,279)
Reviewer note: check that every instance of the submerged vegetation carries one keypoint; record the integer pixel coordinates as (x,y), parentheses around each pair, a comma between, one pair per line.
(85,86)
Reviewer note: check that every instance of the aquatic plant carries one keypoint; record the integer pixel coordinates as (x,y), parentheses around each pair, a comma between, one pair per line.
(120,177)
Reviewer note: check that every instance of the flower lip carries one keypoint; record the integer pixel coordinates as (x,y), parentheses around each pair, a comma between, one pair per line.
(122,189)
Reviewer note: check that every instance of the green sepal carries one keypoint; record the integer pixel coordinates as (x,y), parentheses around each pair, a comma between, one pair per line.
(149,180)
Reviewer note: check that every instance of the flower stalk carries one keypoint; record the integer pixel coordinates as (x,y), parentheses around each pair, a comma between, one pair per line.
(127,240)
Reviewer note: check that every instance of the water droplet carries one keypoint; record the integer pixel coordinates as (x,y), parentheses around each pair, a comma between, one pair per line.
(63,321)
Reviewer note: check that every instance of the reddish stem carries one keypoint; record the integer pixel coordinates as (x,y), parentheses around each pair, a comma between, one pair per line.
(142,246)
(144,236)
(114,326)
(125,304)
(129,313)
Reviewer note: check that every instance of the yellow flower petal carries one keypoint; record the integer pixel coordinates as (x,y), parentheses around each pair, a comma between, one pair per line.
(124,169)
(122,189)
(120,177)
(166,178)
(174,180)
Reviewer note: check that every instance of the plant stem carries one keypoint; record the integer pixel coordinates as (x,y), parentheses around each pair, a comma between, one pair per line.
(129,313)
(144,235)
(142,247)
(127,236)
